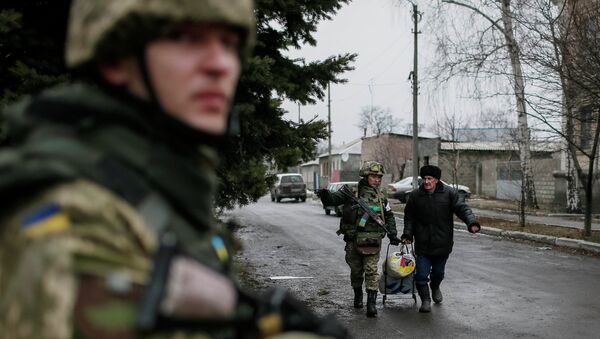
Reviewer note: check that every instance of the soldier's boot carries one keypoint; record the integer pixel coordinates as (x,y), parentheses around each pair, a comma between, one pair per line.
(425,298)
(371,300)
(436,293)
(358,297)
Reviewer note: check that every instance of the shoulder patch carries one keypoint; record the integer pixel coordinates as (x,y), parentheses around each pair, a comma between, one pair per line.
(219,247)
(48,219)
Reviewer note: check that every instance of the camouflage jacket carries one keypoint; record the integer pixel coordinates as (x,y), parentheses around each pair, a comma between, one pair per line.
(89,181)
(353,220)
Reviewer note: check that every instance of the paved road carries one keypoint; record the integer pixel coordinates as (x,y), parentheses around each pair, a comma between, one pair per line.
(494,288)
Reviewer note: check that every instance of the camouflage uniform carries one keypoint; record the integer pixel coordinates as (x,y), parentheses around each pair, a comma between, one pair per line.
(107,207)
(364,266)
(358,228)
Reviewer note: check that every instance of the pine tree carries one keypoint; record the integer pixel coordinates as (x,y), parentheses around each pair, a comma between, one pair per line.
(32,35)
(271,76)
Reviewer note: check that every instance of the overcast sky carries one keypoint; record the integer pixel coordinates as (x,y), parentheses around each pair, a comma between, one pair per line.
(380,32)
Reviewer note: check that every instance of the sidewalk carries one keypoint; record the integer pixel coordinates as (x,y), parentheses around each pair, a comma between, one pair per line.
(567,221)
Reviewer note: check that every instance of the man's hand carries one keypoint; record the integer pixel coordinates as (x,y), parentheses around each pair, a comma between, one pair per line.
(394,240)
(474,227)
(406,238)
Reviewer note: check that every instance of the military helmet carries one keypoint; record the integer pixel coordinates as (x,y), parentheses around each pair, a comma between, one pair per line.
(371,167)
(104,29)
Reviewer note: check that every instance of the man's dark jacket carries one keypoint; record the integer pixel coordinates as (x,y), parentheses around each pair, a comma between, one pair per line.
(429,218)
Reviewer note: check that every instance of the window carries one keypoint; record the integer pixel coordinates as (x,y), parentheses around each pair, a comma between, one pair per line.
(509,171)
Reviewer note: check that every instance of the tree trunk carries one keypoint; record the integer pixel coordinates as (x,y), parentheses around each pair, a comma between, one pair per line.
(519,88)
(573,198)
(589,183)
(573,204)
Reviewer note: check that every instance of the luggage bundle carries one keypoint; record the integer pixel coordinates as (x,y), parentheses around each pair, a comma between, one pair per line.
(398,272)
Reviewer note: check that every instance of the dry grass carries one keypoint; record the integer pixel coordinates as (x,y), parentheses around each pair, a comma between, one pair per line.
(555,231)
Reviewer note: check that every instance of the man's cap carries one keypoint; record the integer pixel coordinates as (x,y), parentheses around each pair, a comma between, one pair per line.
(431,171)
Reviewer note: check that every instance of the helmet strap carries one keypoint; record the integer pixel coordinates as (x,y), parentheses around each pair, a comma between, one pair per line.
(142,62)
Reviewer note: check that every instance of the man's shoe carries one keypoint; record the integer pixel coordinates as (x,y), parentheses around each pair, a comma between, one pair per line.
(436,293)
(371,300)
(358,297)
(425,299)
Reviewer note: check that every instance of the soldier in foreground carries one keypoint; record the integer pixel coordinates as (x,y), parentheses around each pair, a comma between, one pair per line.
(363,232)
(107,224)
(428,219)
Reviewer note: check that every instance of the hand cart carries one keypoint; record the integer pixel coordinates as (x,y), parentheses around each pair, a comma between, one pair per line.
(404,285)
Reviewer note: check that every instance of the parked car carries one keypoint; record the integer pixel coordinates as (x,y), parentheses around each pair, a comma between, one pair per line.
(289,185)
(400,189)
(335,186)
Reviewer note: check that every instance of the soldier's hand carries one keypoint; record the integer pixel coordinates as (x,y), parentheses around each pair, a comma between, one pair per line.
(474,227)
(406,238)
(394,240)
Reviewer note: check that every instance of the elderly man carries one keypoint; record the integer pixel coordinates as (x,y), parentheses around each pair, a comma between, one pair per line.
(428,219)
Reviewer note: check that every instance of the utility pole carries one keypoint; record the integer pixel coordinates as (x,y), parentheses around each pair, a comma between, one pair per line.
(298,167)
(371,111)
(415,88)
(330,166)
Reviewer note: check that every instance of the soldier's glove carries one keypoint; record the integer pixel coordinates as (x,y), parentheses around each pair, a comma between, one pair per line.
(406,238)
(394,240)
(280,312)
(474,227)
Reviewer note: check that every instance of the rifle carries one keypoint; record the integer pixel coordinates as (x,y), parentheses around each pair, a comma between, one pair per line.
(253,316)
(363,205)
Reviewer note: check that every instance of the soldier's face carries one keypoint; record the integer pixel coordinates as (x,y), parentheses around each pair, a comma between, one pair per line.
(374,180)
(194,72)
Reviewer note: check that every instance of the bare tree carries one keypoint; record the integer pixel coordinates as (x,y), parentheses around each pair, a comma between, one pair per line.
(378,120)
(448,126)
(392,153)
(490,48)
(495,118)
(564,58)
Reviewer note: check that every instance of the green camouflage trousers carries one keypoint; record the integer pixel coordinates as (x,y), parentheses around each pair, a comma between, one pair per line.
(362,267)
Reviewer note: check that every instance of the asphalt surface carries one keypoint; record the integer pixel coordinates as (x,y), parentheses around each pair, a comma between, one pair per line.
(494,288)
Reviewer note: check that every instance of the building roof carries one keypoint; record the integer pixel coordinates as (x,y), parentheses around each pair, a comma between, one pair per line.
(353,147)
(497,146)
(314,162)
(421,135)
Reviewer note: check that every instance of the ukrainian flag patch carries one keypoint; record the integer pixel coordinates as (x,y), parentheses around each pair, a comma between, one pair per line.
(48,219)
(219,246)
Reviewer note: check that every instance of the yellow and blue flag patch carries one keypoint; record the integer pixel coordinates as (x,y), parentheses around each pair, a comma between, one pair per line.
(219,246)
(48,219)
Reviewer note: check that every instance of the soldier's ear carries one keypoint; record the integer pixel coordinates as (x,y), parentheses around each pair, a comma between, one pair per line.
(125,73)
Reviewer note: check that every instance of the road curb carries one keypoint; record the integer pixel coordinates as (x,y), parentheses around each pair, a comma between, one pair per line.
(545,239)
